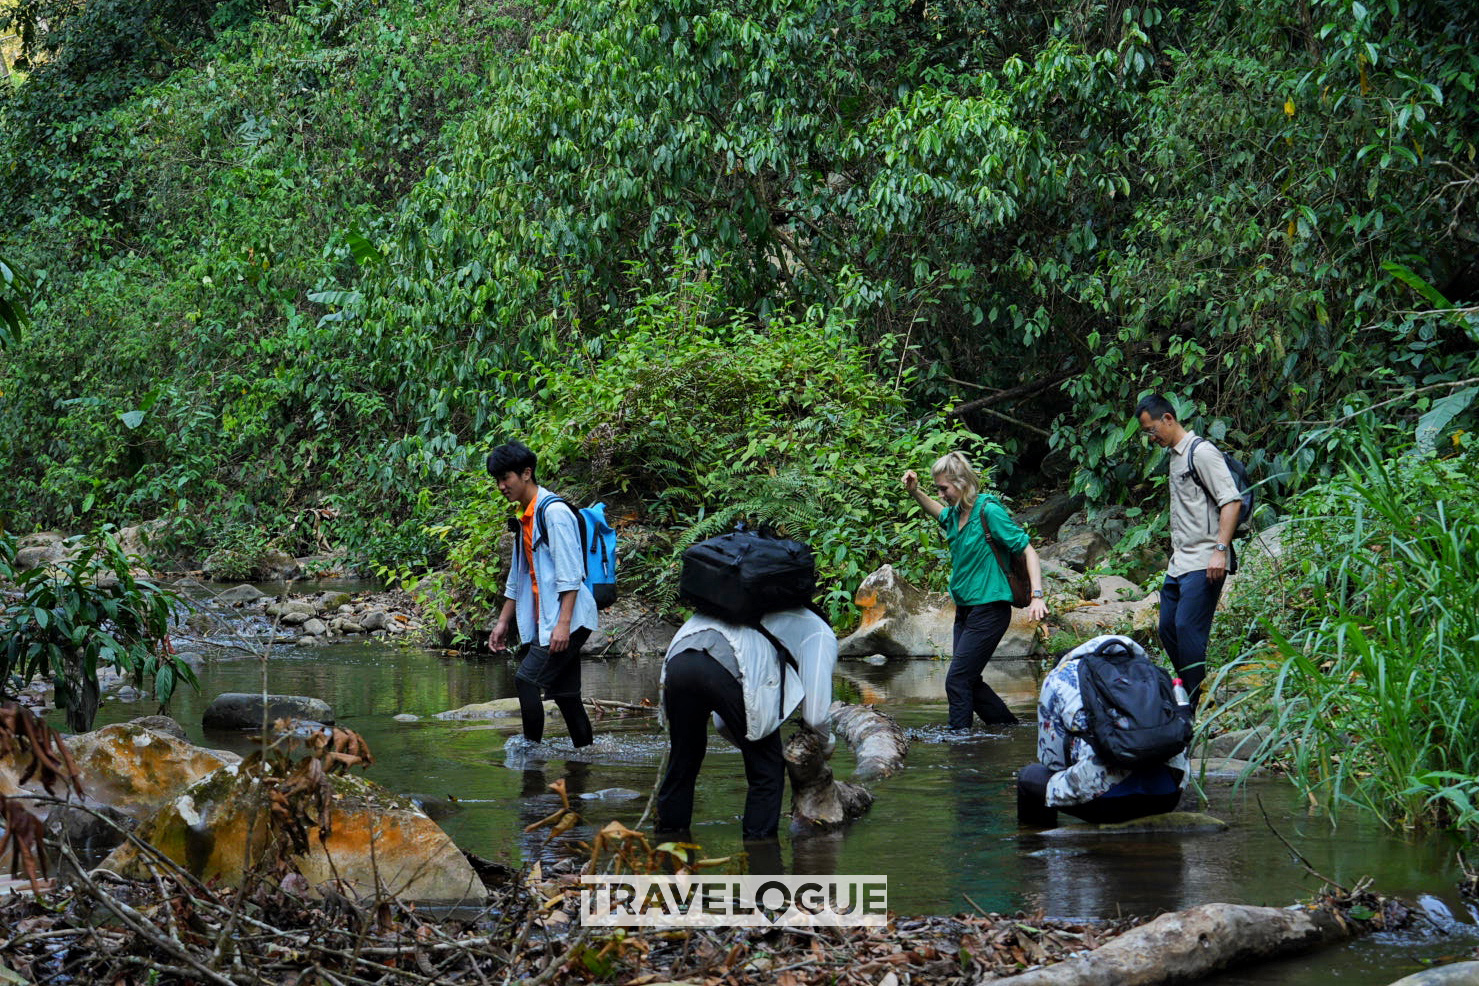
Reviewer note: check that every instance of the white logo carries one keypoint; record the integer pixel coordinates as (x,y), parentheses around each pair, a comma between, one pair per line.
(688,900)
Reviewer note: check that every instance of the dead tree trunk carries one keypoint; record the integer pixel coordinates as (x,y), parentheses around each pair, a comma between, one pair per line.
(876,739)
(820,802)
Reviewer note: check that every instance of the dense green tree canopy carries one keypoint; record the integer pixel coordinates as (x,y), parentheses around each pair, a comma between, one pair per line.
(318,253)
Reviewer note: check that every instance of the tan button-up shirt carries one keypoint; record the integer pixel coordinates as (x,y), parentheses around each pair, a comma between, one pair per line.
(1194,514)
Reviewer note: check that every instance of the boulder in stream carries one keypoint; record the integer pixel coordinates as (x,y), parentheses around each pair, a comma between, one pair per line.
(378,842)
(498,708)
(1455,974)
(901,620)
(240,595)
(244,710)
(1237,744)
(135,769)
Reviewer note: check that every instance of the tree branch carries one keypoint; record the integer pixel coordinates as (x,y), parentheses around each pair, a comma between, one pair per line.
(1013,393)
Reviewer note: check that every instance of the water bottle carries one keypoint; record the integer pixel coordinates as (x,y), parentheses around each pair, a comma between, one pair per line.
(1183,701)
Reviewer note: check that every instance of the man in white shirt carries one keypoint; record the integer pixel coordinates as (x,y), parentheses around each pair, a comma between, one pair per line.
(546,597)
(1204,515)
(735,674)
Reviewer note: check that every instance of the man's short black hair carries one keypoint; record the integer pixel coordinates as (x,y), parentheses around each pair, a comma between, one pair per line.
(1157,406)
(512,457)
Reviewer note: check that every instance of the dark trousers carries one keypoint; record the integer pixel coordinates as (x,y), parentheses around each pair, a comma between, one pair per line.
(556,676)
(696,685)
(1033,808)
(978,629)
(1187,604)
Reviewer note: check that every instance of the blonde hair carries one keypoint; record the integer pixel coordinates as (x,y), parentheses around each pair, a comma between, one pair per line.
(957,469)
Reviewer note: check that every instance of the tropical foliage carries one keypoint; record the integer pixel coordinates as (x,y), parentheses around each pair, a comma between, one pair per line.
(715,258)
(785,423)
(87,612)
(1370,654)
(1072,206)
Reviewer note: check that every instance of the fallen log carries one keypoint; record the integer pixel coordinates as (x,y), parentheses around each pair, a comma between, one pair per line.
(876,739)
(1189,945)
(820,802)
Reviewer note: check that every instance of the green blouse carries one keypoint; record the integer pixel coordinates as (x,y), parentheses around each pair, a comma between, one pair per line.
(975,576)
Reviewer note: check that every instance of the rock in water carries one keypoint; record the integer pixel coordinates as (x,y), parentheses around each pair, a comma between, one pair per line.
(1455,974)
(244,710)
(221,828)
(136,770)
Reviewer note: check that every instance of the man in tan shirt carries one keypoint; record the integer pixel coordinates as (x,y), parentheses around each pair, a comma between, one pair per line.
(1203,518)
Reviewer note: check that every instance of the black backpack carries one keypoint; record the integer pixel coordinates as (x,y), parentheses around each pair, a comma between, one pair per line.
(1240,479)
(741,576)
(1133,717)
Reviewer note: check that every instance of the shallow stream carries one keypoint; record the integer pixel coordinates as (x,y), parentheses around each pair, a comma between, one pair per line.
(943,831)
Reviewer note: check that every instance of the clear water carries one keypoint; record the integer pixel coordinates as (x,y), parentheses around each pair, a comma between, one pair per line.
(943,831)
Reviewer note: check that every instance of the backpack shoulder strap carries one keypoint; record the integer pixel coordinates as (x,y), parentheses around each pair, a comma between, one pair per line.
(1003,556)
(543,529)
(1086,680)
(985,524)
(783,656)
(1191,467)
(783,653)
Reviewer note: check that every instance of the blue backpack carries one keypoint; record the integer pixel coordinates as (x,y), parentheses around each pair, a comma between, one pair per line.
(597,547)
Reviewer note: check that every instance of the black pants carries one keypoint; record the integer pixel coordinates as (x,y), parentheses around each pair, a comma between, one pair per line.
(556,676)
(695,686)
(1033,808)
(978,629)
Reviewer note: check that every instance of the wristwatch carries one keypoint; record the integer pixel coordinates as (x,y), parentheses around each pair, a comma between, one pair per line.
(1036,593)
(1219,547)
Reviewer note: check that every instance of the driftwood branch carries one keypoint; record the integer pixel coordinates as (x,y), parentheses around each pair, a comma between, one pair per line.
(1189,945)
(820,802)
(876,740)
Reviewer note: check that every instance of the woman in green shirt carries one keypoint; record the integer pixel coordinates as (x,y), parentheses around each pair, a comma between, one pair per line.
(983,607)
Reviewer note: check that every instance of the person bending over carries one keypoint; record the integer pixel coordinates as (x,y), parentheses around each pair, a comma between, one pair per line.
(734,673)
(1078,782)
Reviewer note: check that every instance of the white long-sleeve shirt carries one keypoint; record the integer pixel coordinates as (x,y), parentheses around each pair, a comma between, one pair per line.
(752,659)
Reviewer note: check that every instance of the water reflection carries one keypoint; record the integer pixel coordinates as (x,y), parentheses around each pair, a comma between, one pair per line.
(890,681)
(1109,877)
(538,802)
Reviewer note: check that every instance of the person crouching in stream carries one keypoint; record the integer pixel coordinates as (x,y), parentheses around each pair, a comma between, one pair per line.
(1070,776)
(734,673)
